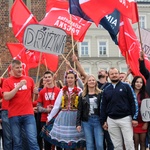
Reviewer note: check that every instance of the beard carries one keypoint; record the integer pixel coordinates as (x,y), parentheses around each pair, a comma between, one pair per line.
(115,81)
(101,76)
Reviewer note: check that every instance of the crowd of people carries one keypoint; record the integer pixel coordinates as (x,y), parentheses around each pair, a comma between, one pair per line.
(83,113)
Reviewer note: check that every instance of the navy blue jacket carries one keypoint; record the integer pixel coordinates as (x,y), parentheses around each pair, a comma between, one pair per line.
(118,102)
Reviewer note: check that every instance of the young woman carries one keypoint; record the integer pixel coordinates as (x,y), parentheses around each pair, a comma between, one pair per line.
(63,132)
(88,115)
(140,131)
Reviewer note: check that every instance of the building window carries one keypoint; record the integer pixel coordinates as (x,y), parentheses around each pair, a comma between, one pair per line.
(27,3)
(142,21)
(102,48)
(84,49)
(87,70)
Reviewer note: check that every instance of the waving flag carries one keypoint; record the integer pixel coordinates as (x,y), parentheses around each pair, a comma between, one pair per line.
(129,45)
(21,17)
(110,22)
(97,9)
(72,25)
(127,8)
(30,58)
(18,52)
(52,3)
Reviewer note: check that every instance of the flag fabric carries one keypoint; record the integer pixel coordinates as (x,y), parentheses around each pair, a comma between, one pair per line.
(30,58)
(71,24)
(97,9)
(127,8)
(52,3)
(110,22)
(20,18)
(129,45)
(17,52)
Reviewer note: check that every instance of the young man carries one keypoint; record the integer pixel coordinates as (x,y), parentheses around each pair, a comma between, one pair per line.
(18,90)
(119,111)
(46,100)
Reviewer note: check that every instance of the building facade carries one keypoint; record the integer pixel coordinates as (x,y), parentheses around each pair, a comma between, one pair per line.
(99,51)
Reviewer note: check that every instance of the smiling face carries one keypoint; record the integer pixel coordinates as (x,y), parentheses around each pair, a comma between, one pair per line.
(114,75)
(91,82)
(70,79)
(138,84)
(48,78)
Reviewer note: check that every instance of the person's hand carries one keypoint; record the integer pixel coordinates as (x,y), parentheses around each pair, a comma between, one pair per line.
(35,90)
(21,83)
(35,109)
(49,108)
(134,123)
(74,58)
(79,128)
(105,126)
(141,55)
(145,126)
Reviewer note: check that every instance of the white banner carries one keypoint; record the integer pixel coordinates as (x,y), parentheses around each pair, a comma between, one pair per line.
(145,109)
(145,36)
(44,39)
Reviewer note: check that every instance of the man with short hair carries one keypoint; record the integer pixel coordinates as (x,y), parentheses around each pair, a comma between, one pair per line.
(46,100)
(119,111)
(18,90)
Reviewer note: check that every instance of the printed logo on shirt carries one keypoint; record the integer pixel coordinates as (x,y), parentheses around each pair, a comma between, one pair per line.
(49,96)
(24,87)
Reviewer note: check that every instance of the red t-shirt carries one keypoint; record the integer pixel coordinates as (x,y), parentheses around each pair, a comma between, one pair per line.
(47,96)
(21,103)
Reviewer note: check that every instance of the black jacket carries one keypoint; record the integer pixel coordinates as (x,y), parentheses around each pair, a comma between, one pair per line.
(84,108)
(146,74)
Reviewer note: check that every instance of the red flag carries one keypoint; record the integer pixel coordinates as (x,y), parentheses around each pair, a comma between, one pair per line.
(97,9)
(21,17)
(128,8)
(129,45)
(17,52)
(53,3)
(59,17)
(30,58)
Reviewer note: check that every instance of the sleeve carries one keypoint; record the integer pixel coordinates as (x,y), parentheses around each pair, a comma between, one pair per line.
(103,105)
(80,83)
(143,69)
(40,108)
(133,102)
(5,87)
(79,112)
(56,107)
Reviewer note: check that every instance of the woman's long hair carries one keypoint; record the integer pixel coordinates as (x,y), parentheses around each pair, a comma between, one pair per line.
(85,88)
(142,90)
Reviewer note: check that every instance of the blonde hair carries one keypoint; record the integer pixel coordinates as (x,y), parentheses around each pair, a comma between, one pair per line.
(85,88)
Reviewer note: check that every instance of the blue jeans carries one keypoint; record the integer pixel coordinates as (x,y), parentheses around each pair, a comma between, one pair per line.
(28,123)
(7,135)
(93,133)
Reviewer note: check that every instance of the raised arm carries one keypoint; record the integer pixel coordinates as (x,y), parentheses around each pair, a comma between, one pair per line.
(142,66)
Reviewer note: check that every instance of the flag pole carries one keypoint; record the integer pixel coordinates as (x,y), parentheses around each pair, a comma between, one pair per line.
(140,37)
(4,73)
(72,38)
(64,60)
(36,81)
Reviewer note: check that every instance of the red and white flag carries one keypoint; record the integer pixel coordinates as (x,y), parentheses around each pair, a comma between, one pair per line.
(20,18)
(97,9)
(60,17)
